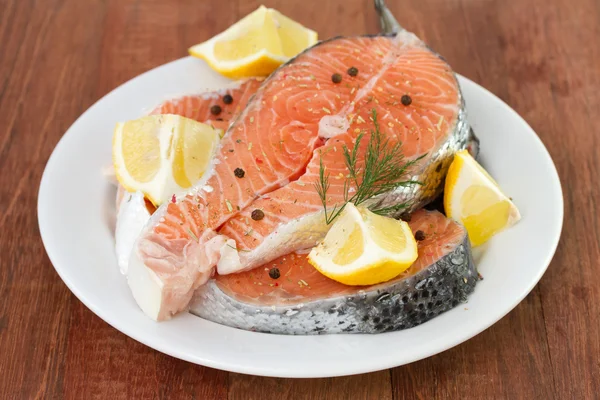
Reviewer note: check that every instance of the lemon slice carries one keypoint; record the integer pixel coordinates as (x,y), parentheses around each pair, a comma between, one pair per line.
(472,197)
(162,155)
(256,45)
(363,248)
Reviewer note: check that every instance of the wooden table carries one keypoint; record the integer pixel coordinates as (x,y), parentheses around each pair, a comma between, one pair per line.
(57,57)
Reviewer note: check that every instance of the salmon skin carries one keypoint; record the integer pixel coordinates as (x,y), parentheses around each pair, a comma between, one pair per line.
(299,117)
(306,302)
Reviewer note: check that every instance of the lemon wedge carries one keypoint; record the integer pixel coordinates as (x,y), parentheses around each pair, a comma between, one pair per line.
(472,197)
(256,45)
(363,248)
(162,155)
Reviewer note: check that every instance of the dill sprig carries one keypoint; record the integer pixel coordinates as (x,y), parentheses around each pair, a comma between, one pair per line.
(384,170)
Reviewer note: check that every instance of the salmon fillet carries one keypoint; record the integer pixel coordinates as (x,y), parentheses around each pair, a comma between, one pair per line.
(303,301)
(269,161)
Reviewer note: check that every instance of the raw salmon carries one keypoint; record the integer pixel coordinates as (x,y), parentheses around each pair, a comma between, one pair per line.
(135,214)
(303,301)
(298,117)
(198,107)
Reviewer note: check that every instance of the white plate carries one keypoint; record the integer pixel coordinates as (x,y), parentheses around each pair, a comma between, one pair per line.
(76,218)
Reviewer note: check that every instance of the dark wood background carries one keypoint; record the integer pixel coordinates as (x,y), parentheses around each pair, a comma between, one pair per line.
(57,57)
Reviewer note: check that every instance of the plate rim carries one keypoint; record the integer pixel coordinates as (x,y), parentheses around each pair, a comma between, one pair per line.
(45,231)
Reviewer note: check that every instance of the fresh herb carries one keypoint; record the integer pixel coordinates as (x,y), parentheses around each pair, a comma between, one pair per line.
(383,171)
(352,71)
(227,99)
(247,251)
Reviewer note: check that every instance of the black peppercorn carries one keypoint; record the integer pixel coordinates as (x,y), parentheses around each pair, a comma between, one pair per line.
(257,215)
(406,100)
(227,99)
(336,78)
(215,110)
(352,71)
(239,173)
(274,273)
(420,235)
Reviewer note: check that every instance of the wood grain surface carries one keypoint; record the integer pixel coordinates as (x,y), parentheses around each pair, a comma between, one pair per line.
(57,57)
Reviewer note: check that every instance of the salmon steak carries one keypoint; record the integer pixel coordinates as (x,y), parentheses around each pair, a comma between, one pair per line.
(303,301)
(257,200)
(217,108)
